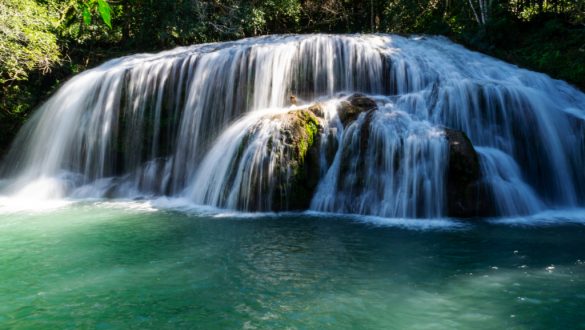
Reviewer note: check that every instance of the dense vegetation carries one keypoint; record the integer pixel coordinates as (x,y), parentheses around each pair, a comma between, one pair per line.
(42,42)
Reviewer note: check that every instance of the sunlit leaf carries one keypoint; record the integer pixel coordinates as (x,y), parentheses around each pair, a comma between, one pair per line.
(105,12)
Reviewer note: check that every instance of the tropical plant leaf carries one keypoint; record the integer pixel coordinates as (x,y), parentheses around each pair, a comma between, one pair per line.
(105,12)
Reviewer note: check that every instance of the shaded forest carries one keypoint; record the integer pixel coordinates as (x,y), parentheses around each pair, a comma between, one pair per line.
(43,42)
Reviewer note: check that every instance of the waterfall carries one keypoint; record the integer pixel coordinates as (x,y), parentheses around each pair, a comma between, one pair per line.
(208,123)
(399,172)
(510,193)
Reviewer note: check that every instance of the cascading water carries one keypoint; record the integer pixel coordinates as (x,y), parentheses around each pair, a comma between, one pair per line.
(389,165)
(510,193)
(208,123)
(245,167)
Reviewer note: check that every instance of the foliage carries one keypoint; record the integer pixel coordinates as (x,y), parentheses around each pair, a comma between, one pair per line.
(27,39)
(553,47)
(99,6)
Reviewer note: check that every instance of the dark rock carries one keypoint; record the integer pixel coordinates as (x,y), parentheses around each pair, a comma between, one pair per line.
(353,156)
(464,191)
(330,146)
(350,109)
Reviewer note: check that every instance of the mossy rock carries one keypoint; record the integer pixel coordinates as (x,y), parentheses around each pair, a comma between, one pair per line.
(300,160)
(294,147)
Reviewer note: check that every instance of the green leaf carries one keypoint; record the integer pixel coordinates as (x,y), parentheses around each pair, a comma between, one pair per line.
(86,16)
(105,12)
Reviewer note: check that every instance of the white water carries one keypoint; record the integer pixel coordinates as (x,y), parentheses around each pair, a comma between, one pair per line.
(510,193)
(399,172)
(242,176)
(170,124)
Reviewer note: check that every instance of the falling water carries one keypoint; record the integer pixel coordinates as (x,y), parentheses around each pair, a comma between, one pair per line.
(173,124)
(243,168)
(510,193)
(389,165)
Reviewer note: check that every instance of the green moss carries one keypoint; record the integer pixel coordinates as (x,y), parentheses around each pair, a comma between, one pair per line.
(310,127)
(299,168)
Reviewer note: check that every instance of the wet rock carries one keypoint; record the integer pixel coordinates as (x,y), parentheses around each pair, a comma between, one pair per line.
(294,148)
(300,159)
(464,190)
(353,155)
(317,109)
(350,109)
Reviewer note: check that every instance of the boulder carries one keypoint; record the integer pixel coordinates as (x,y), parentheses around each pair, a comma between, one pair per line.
(299,162)
(294,149)
(464,189)
(350,109)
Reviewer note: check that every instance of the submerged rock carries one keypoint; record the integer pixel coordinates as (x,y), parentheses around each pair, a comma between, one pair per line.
(464,193)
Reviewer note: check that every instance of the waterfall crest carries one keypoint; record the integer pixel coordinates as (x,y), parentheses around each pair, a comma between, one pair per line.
(208,123)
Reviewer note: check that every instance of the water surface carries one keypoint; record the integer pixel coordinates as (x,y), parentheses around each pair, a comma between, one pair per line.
(112,265)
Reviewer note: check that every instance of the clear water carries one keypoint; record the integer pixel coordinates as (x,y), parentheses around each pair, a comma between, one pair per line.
(123,265)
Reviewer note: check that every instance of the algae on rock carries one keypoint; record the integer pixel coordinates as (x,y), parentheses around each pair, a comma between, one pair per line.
(284,177)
